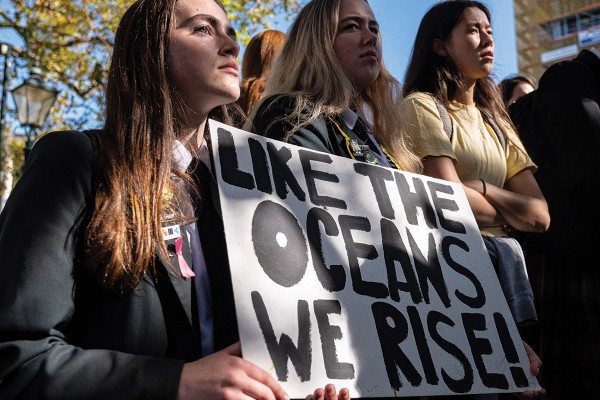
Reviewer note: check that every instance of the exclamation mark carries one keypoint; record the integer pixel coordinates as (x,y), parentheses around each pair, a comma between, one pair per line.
(510,351)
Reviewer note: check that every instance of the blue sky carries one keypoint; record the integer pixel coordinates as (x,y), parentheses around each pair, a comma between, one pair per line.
(399,21)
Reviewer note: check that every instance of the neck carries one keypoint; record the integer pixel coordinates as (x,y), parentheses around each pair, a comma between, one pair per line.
(466,95)
(193,133)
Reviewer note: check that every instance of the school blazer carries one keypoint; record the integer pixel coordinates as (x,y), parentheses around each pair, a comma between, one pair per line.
(61,336)
(320,135)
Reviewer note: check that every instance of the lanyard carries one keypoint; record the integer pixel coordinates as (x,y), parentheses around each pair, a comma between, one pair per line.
(361,152)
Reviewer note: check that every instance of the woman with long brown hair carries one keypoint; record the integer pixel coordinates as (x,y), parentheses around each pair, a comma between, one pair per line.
(114,280)
(256,64)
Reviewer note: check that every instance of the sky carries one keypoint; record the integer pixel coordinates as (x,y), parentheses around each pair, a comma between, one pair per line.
(399,21)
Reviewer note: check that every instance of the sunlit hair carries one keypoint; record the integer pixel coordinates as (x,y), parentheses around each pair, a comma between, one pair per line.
(143,115)
(258,58)
(308,70)
(435,74)
(508,85)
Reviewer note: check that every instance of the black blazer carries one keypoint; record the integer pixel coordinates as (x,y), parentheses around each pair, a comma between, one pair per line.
(321,135)
(61,336)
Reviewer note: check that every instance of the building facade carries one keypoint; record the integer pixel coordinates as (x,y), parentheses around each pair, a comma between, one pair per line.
(549,31)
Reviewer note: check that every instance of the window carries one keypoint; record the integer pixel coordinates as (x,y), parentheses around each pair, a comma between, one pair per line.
(566,26)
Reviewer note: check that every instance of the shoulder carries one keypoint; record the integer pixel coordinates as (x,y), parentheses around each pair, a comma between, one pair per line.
(63,152)
(273,107)
(422,108)
(66,142)
(277,116)
(420,98)
(421,105)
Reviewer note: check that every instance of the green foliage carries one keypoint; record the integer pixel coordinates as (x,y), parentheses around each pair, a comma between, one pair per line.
(72,40)
(15,152)
(12,162)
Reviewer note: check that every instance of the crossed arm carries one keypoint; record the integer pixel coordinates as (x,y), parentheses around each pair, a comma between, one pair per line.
(520,203)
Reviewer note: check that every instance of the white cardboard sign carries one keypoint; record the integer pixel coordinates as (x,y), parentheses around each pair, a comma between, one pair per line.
(366,277)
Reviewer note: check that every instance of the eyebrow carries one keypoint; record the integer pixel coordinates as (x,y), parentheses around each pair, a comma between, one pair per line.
(477,22)
(214,21)
(357,18)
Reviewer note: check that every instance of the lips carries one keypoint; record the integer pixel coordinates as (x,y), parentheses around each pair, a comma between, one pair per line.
(370,54)
(487,54)
(230,67)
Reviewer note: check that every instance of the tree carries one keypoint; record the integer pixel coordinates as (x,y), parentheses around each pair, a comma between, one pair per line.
(71,41)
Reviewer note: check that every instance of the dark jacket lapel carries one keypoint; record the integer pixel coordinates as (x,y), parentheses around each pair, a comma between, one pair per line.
(212,237)
(177,301)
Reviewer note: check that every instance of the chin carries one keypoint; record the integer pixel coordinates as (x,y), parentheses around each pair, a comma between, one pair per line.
(231,96)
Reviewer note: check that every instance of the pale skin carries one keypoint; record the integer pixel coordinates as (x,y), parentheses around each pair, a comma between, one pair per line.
(357,44)
(520,203)
(520,90)
(205,72)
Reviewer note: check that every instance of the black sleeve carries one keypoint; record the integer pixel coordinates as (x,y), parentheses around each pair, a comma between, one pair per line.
(37,247)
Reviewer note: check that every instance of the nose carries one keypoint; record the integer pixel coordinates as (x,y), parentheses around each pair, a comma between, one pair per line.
(230,47)
(487,39)
(370,37)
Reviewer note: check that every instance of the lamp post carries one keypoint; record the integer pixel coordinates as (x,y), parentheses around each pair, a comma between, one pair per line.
(5,51)
(33,100)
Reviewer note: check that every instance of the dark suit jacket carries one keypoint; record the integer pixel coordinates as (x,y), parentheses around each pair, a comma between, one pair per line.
(63,337)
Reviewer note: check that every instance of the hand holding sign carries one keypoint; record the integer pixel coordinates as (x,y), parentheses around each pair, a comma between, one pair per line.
(225,374)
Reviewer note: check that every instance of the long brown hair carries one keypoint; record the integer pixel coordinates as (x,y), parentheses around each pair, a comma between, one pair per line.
(142,113)
(258,58)
(432,73)
(308,69)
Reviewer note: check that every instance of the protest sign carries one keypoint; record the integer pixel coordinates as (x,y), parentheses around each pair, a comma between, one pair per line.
(367,277)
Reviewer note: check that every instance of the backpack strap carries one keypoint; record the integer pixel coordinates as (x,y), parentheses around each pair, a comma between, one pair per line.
(444,116)
(499,132)
(447,123)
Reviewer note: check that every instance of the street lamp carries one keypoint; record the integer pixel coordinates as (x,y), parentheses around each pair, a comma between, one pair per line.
(33,100)
(5,51)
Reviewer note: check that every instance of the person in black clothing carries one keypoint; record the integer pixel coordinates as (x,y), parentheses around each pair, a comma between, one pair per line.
(559,124)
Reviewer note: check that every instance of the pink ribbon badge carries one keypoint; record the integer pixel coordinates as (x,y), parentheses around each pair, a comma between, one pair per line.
(184,268)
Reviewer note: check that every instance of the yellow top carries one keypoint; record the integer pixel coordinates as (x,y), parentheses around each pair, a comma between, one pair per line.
(474,147)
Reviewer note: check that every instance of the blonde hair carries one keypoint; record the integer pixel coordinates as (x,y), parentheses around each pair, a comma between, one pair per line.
(258,58)
(308,70)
